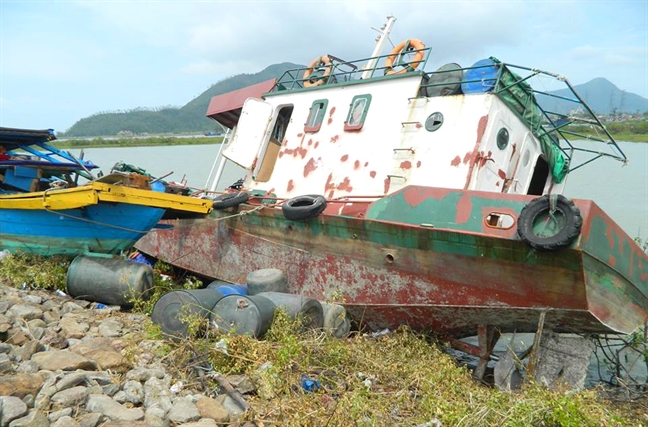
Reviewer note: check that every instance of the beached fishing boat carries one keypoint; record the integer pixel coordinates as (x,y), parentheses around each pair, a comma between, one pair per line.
(426,198)
(45,208)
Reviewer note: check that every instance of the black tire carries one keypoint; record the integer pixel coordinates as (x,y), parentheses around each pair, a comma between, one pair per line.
(303,207)
(229,200)
(567,217)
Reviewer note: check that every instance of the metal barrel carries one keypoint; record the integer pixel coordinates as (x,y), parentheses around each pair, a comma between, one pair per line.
(266,280)
(228,288)
(109,281)
(336,321)
(309,309)
(244,315)
(173,309)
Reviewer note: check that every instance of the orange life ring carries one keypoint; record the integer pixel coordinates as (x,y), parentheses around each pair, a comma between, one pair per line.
(414,44)
(320,61)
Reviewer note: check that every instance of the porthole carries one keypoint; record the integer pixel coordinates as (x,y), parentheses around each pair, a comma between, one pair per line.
(502,138)
(434,122)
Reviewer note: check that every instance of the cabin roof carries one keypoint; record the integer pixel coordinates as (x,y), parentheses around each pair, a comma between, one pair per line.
(226,108)
(12,138)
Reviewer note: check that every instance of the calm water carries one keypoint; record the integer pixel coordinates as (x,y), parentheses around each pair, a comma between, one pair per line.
(622,191)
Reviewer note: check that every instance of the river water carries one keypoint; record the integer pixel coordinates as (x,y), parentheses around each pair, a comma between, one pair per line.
(622,191)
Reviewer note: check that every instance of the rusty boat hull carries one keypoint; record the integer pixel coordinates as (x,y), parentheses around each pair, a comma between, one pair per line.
(427,258)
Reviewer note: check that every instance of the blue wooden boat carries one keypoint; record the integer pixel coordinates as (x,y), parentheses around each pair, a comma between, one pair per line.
(45,210)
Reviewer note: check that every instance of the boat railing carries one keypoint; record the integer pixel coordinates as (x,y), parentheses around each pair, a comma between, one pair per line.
(348,71)
(545,101)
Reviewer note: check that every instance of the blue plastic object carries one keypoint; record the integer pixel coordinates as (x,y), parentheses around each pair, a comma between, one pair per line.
(309,385)
(232,289)
(482,79)
(158,186)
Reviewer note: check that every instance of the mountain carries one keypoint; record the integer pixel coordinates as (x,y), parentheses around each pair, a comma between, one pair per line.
(602,96)
(187,119)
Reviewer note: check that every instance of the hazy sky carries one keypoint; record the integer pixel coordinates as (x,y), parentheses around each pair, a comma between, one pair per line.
(61,61)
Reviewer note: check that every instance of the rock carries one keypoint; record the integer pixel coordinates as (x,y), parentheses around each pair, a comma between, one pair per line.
(72,328)
(156,393)
(28,367)
(113,410)
(5,348)
(126,424)
(66,421)
(206,422)
(70,380)
(12,408)
(29,349)
(144,374)
(110,328)
(53,339)
(183,411)
(70,307)
(210,408)
(6,366)
(51,316)
(102,353)
(63,360)
(34,418)
(54,416)
(20,385)
(133,392)
(33,299)
(26,312)
(90,420)
(75,396)
(563,360)
(16,337)
(230,405)
(242,383)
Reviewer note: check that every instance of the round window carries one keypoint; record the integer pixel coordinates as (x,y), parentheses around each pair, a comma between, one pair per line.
(502,138)
(434,122)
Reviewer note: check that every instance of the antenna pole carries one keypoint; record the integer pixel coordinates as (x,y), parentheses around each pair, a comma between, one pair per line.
(380,42)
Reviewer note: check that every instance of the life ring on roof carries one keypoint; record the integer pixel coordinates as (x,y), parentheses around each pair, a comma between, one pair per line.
(404,46)
(548,224)
(317,79)
(303,207)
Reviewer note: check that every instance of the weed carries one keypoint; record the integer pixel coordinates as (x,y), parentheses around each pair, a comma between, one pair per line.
(35,271)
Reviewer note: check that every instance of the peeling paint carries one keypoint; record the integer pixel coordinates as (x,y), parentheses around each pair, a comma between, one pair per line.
(501,174)
(455,162)
(335,138)
(464,207)
(345,185)
(310,167)
(612,261)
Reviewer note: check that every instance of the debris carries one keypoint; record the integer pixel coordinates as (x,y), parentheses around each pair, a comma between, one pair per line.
(380,333)
(308,384)
(235,395)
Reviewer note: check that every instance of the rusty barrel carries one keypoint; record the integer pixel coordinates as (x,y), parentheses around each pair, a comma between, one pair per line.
(244,315)
(109,281)
(308,309)
(175,310)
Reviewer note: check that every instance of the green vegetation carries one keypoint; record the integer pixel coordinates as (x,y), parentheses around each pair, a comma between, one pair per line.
(135,142)
(35,271)
(630,130)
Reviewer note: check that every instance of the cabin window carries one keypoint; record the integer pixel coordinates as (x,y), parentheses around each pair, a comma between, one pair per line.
(434,122)
(358,112)
(316,116)
(502,138)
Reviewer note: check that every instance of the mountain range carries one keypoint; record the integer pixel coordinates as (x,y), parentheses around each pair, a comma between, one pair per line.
(601,95)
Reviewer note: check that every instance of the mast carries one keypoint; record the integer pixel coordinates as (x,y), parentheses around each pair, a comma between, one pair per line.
(380,42)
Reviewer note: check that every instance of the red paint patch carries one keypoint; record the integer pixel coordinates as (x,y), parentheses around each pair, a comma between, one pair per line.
(418,164)
(329,121)
(501,174)
(299,135)
(291,185)
(387,184)
(310,141)
(331,111)
(316,144)
(344,158)
(330,194)
(514,147)
(455,162)
(366,164)
(310,167)
(270,191)
(406,164)
(345,185)
(356,165)
(300,152)
(608,234)
(329,183)
(644,276)
(497,184)
(464,207)
(612,261)
(372,174)
(334,138)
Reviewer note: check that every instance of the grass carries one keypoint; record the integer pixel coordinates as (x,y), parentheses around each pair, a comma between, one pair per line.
(399,379)
(135,142)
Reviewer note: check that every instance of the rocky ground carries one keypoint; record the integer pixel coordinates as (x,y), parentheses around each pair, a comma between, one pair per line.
(67,363)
